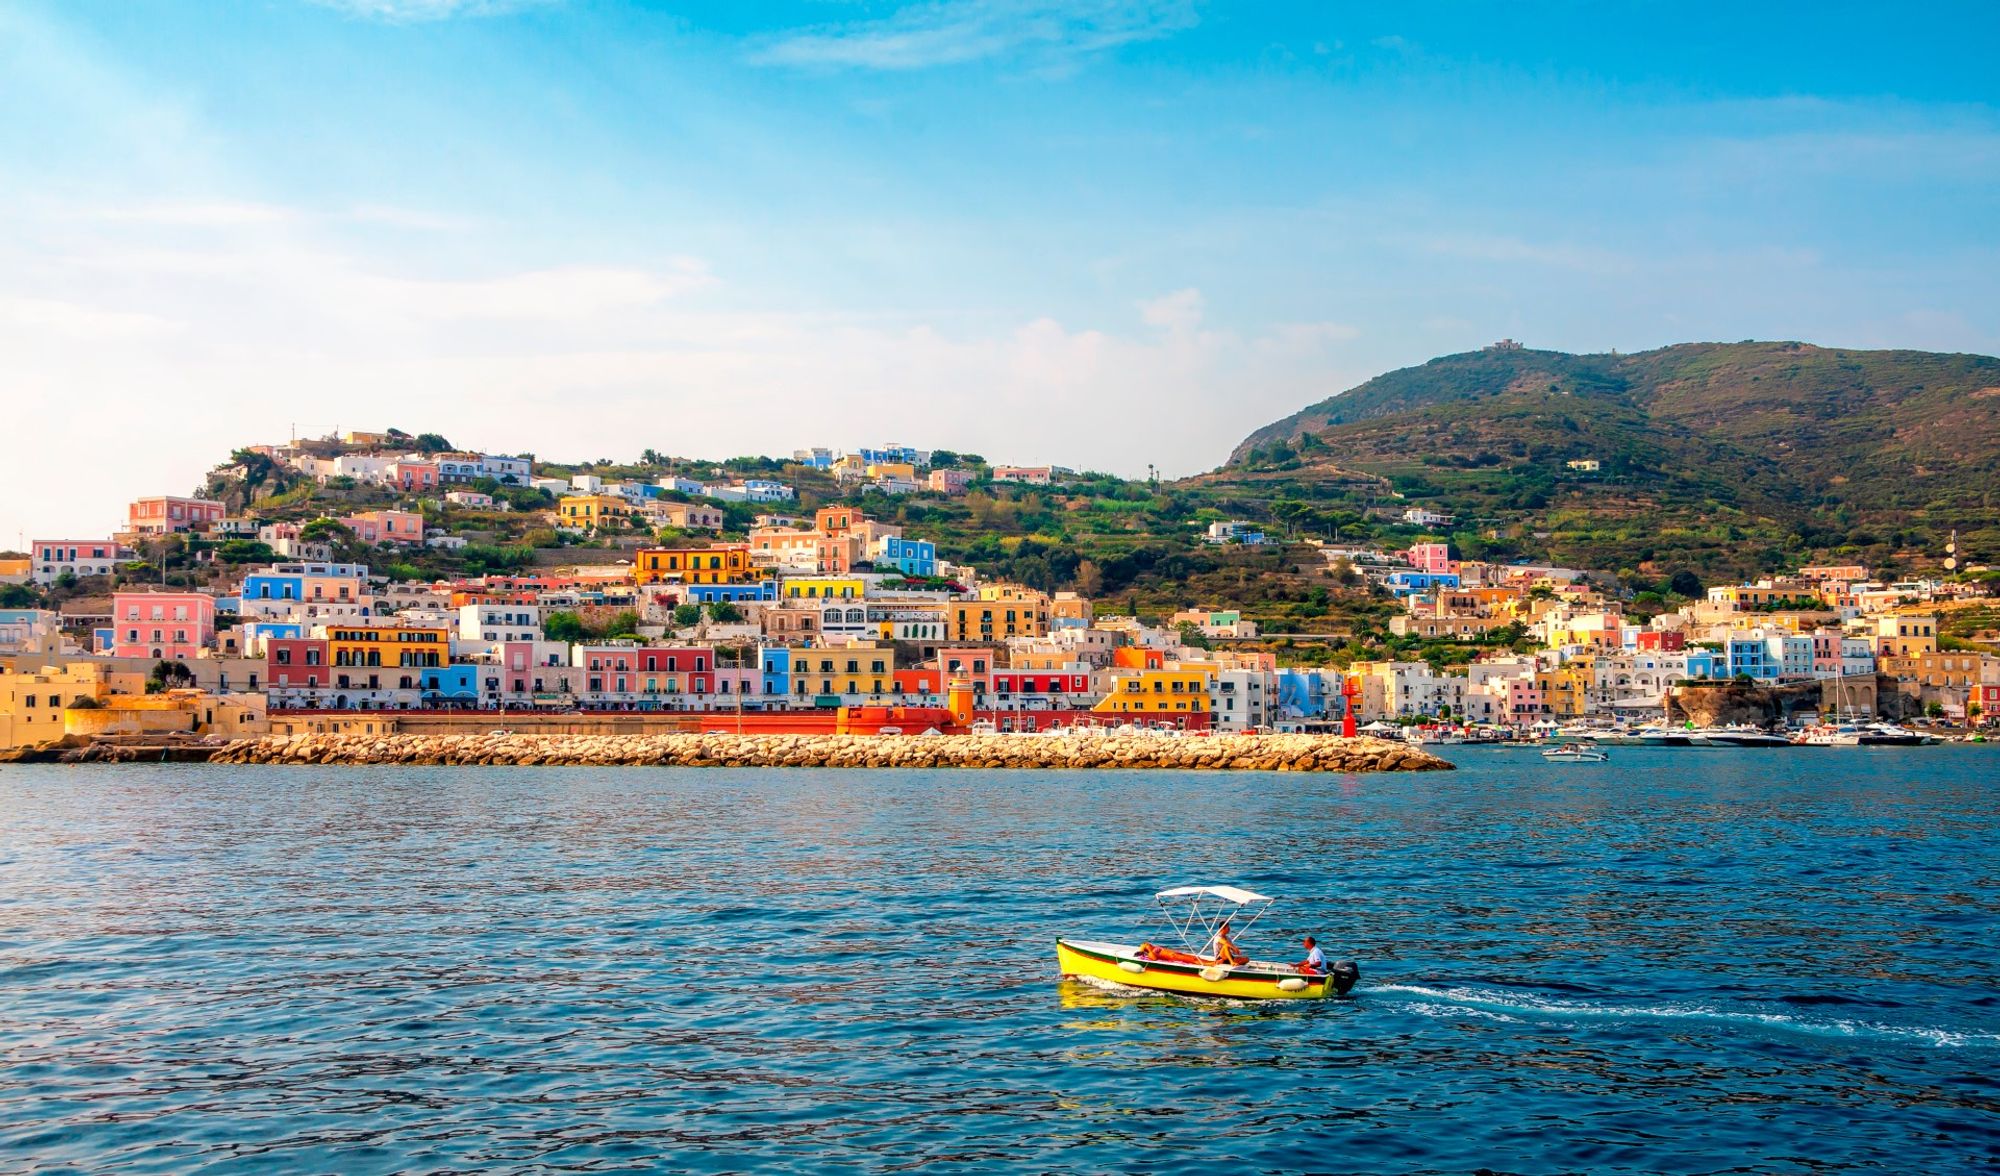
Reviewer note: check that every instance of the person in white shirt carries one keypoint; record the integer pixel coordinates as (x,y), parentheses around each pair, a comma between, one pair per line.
(1315,962)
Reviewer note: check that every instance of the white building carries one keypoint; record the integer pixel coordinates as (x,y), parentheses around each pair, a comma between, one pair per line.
(1420,516)
(49,559)
(1241,700)
(508,471)
(485,624)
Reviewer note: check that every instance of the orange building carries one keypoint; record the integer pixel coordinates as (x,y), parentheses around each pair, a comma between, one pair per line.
(722,564)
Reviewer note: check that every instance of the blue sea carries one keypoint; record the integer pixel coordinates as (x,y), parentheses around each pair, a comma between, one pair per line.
(1680,961)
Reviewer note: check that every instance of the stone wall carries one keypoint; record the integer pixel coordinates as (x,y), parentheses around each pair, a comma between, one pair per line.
(1270,753)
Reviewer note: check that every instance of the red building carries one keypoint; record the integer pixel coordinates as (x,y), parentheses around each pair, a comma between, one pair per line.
(296,669)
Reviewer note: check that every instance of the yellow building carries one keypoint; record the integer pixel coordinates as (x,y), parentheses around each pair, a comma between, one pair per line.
(860,669)
(33,702)
(1154,693)
(1002,611)
(722,564)
(175,712)
(1070,606)
(588,512)
(386,646)
(892,469)
(16,571)
(1565,689)
(823,588)
(1906,635)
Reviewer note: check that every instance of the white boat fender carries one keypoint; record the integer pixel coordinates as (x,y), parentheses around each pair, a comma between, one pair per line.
(1133,966)
(1214,974)
(1291,984)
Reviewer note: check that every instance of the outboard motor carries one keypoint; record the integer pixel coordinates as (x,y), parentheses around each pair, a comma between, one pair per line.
(1344,975)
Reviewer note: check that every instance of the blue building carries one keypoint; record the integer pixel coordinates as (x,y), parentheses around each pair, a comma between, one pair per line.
(762,592)
(912,557)
(1412,583)
(776,665)
(253,632)
(894,454)
(457,682)
(273,586)
(1703,663)
(1301,694)
(1750,656)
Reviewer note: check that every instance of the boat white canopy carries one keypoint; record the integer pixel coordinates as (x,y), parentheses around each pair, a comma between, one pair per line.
(1235,894)
(1196,913)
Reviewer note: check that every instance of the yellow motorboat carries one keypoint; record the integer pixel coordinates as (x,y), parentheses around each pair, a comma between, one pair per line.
(1200,916)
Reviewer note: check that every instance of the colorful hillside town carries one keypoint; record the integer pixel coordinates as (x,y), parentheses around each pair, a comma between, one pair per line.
(714,615)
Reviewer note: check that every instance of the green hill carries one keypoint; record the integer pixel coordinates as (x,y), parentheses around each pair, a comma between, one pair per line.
(1699,446)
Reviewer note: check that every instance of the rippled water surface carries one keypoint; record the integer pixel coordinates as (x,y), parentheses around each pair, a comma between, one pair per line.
(1683,961)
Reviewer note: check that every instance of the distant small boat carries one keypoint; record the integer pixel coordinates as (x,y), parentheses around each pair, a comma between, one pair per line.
(1575,753)
(1442,736)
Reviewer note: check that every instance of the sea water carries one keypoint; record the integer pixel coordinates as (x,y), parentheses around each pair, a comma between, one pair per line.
(1679,961)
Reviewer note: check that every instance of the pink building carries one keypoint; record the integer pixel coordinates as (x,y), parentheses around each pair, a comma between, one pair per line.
(174,626)
(387,526)
(50,558)
(949,481)
(1430,557)
(1524,698)
(167,515)
(412,476)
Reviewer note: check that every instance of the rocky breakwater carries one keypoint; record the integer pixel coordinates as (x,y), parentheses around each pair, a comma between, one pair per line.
(1263,753)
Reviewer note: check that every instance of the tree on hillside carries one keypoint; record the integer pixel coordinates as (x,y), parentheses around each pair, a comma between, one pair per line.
(1685,583)
(686,615)
(723,612)
(432,443)
(1192,636)
(1089,578)
(564,626)
(327,531)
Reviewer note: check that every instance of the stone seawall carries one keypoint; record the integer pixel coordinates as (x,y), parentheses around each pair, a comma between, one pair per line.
(1268,753)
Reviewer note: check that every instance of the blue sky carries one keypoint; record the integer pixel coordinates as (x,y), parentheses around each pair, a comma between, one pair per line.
(1103,233)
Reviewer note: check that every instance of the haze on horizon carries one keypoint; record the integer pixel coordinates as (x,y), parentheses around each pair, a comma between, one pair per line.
(1103,233)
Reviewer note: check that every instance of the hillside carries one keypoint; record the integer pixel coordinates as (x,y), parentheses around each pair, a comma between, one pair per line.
(1699,446)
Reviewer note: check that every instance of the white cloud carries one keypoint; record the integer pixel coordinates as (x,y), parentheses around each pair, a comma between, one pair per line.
(212,214)
(74,321)
(1178,311)
(954,32)
(282,321)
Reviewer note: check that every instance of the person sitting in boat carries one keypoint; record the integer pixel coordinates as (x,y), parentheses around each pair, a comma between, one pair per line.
(1225,947)
(1315,962)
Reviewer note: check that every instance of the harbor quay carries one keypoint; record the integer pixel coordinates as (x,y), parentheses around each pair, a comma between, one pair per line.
(1268,753)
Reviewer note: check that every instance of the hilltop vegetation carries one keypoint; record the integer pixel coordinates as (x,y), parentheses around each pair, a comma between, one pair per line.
(1714,462)
(1727,458)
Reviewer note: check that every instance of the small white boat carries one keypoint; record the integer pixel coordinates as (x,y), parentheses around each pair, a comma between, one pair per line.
(1575,753)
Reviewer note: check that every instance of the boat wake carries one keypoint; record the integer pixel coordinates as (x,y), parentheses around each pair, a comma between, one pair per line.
(1503,1005)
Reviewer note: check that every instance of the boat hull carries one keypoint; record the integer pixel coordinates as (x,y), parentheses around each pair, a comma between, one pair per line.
(1114,962)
